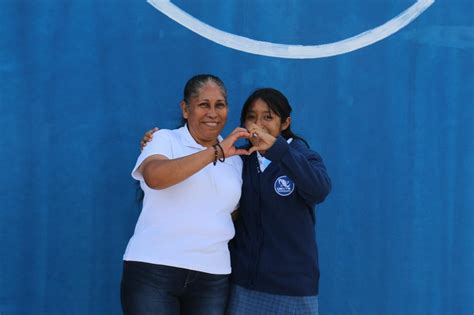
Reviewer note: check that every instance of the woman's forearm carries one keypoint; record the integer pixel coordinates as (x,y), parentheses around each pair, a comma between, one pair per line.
(161,173)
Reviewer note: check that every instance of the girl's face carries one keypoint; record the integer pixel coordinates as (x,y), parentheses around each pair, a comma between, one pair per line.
(260,114)
(206,114)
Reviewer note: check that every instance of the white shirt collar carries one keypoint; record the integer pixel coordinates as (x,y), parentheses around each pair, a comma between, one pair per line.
(264,162)
(188,140)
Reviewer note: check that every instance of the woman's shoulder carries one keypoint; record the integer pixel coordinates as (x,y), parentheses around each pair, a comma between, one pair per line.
(171,134)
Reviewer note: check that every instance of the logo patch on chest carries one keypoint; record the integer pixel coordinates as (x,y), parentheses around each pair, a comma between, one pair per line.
(284,186)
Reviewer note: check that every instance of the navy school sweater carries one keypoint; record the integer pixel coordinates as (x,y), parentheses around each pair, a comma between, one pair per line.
(275,248)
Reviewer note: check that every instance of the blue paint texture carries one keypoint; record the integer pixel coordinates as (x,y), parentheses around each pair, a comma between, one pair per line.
(80,81)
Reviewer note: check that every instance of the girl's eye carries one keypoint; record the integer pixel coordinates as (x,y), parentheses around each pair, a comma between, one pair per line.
(268,117)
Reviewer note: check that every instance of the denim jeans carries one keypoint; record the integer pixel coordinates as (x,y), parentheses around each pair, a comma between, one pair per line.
(158,289)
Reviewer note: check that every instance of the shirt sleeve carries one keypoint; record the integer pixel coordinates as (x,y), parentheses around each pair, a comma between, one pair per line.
(161,144)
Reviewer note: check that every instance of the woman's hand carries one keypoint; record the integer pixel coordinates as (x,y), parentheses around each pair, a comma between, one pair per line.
(260,139)
(228,144)
(147,137)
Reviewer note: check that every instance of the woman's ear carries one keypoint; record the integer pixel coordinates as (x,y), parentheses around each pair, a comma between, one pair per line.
(286,124)
(184,109)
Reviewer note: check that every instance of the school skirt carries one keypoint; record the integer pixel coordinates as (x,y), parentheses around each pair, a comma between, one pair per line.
(245,302)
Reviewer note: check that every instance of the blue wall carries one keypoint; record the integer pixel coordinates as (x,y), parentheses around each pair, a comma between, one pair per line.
(80,81)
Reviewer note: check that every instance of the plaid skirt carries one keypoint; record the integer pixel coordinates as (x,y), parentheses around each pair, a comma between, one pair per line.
(247,302)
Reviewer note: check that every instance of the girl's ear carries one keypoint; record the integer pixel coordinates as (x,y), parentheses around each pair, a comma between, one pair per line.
(285,124)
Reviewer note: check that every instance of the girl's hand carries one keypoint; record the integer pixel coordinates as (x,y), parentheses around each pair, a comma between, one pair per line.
(147,137)
(260,139)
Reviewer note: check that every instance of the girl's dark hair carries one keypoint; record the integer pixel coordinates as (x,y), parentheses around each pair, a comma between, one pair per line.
(277,102)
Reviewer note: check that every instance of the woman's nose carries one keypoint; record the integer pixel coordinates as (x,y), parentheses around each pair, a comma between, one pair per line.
(211,112)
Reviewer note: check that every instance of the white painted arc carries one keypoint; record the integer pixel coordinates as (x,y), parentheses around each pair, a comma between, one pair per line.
(292,51)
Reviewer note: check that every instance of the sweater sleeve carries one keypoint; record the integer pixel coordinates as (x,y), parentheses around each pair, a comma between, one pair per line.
(304,166)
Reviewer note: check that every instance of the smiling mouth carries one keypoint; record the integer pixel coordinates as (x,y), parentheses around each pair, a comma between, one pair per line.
(211,124)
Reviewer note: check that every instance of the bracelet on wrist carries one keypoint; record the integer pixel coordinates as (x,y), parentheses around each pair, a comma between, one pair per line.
(218,147)
(222,159)
(216,155)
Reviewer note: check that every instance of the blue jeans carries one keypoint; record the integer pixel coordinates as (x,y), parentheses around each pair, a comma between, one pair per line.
(158,289)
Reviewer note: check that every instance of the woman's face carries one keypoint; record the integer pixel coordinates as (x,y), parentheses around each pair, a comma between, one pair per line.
(206,114)
(260,114)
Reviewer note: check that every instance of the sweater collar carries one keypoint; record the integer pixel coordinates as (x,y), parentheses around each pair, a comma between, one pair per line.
(264,162)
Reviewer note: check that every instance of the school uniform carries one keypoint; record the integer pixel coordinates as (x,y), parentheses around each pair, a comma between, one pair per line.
(274,253)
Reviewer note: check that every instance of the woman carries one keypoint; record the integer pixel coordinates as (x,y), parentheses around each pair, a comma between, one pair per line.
(274,253)
(177,261)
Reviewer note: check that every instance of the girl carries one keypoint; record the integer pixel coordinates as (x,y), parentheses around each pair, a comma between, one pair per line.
(274,253)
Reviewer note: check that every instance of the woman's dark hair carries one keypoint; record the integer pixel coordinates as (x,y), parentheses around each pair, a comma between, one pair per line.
(194,85)
(277,102)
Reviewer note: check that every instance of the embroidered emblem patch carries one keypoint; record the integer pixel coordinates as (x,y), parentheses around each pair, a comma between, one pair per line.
(284,186)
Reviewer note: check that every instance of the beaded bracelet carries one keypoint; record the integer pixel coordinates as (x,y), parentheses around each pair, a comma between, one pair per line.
(216,154)
(222,159)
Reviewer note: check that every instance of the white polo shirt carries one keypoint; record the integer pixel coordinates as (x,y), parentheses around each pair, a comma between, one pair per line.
(187,225)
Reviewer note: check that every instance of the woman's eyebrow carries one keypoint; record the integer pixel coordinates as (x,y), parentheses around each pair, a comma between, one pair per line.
(208,100)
